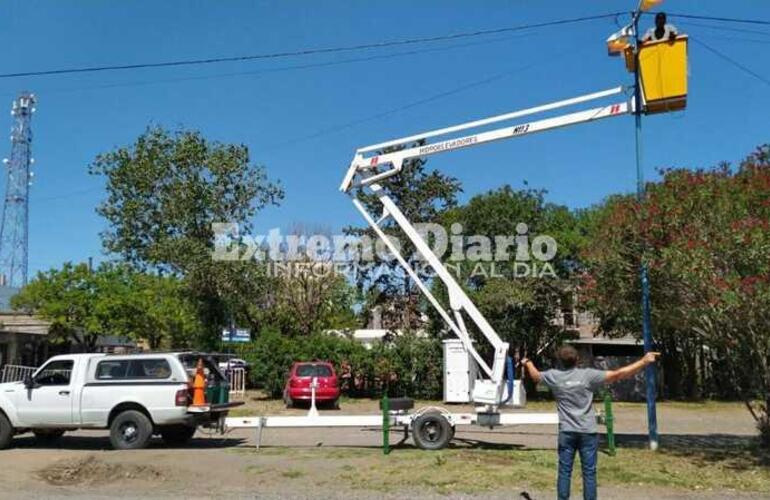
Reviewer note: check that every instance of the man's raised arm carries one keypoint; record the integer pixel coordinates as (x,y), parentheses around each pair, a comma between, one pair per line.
(532,370)
(632,369)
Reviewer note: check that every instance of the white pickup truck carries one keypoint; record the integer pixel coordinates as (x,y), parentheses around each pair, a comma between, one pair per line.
(134,396)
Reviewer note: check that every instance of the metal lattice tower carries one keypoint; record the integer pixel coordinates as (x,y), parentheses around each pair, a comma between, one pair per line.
(15,224)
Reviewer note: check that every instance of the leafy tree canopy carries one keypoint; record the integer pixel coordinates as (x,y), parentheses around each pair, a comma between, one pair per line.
(163,194)
(114,300)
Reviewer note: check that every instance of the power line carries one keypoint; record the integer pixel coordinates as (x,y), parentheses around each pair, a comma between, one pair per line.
(295,67)
(349,48)
(725,28)
(307,52)
(738,39)
(456,90)
(732,61)
(413,104)
(715,18)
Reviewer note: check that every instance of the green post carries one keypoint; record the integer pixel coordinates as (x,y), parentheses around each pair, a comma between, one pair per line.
(609,422)
(385,424)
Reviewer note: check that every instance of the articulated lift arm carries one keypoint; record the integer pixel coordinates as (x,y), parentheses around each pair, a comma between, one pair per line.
(369,168)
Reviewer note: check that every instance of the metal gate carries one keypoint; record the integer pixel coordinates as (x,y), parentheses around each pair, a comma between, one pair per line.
(16,373)
(237,379)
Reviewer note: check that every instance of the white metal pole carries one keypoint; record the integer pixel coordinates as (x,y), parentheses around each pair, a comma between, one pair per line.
(313,412)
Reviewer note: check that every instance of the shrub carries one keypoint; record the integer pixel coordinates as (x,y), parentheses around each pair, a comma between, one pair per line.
(404,366)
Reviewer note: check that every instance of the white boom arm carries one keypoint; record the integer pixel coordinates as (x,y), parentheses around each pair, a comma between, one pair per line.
(369,168)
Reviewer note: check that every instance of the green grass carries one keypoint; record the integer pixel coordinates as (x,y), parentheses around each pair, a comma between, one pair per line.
(474,471)
(241,412)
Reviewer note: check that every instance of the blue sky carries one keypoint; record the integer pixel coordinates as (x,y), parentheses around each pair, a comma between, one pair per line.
(304,124)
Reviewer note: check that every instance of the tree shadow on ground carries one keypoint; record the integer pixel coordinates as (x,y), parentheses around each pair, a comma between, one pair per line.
(95,443)
(476,444)
(738,452)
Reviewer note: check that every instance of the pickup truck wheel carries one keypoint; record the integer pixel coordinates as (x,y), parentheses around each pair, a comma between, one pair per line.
(431,431)
(130,430)
(6,432)
(177,434)
(48,436)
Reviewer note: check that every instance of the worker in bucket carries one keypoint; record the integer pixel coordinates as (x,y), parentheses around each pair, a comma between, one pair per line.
(661,31)
(574,390)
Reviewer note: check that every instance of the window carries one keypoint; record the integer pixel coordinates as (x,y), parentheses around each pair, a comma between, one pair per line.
(55,373)
(314,371)
(149,368)
(107,370)
(122,369)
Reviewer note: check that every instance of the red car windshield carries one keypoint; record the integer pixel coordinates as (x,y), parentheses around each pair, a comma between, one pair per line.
(313,371)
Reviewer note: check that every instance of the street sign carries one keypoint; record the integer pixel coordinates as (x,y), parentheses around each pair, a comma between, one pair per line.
(236,335)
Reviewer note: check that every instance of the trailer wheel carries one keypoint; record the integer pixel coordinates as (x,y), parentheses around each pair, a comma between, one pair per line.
(130,430)
(6,431)
(431,431)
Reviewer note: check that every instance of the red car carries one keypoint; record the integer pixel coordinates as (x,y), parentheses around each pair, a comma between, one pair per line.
(298,385)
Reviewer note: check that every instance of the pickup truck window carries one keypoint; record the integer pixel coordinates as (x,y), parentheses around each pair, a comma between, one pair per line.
(55,373)
(122,369)
(109,370)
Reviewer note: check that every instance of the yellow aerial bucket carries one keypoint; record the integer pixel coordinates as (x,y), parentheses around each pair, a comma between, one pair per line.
(663,71)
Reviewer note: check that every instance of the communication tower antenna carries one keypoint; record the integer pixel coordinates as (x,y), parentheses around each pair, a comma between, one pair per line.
(14,230)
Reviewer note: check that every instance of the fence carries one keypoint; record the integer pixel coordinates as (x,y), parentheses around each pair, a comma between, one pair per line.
(16,373)
(237,379)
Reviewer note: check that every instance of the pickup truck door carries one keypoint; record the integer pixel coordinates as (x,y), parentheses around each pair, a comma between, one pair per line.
(50,401)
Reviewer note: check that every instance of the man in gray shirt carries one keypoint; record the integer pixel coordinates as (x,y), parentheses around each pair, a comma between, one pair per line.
(574,390)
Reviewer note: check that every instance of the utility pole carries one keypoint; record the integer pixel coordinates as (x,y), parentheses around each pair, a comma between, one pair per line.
(649,371)
(14,230)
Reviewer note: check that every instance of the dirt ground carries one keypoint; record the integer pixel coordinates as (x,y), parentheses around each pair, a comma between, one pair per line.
(509,462)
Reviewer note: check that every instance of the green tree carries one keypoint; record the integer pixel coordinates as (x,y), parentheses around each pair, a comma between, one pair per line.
(309,297)
(707,244)
(83,305)
(163,194)
(521,299)
(78,303)
(159,313)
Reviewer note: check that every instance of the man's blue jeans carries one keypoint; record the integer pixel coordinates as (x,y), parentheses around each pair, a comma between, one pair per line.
(587,445)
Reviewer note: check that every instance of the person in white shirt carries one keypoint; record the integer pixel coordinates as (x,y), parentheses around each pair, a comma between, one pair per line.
(661,31)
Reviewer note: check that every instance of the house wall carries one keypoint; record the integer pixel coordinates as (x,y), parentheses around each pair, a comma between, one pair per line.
(22,349)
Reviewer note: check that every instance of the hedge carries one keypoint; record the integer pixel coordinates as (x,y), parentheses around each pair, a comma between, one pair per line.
(405,365)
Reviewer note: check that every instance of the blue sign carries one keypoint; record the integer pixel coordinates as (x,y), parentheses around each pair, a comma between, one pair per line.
(236,335)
